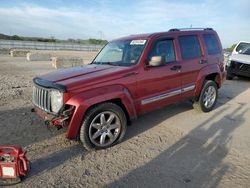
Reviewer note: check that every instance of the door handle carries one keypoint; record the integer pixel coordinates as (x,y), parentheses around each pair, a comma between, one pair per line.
(202,61)
(176,67)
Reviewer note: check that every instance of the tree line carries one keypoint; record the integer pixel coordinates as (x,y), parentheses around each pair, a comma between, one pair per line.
(52,39)
(230,49)
(70,40)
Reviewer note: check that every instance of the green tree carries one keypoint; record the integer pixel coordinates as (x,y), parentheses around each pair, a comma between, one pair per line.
(16,37)
(230,49)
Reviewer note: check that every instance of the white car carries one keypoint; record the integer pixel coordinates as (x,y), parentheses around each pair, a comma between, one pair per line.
(239,62)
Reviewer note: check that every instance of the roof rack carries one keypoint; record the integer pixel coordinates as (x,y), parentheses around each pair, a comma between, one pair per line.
(189,29)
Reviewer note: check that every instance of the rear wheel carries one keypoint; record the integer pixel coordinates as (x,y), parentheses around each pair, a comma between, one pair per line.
(103,126)
(208,97)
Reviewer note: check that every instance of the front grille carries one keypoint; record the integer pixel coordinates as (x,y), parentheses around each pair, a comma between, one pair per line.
(41,98)
(244,67)
(240,66)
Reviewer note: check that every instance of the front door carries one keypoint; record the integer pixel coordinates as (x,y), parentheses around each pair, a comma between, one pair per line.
(159,86)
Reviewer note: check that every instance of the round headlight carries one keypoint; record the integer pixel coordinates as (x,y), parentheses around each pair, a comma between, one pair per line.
(56,100)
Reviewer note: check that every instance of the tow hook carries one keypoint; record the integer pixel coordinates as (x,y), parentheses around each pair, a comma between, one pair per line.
(50,126)
(59,123)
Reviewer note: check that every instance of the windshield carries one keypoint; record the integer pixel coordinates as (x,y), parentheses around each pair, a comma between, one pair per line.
(243,48)
(121,53)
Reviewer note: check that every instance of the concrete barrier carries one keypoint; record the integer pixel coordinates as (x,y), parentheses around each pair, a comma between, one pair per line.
(34,56)
(19,53)
(65,62)
(4,51)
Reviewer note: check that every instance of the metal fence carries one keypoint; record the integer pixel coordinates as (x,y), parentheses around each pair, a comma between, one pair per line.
(9,44)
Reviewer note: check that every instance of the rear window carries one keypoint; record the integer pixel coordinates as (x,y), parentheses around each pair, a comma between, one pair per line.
(212,44)
(190,47)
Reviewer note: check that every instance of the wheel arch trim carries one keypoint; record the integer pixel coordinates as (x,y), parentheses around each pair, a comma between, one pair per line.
(205,73)
(84,101)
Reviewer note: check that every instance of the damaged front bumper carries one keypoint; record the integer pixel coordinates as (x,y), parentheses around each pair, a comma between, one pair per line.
(60,120)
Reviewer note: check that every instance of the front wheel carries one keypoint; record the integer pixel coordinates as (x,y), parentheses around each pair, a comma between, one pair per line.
(229,76)
(208,97)
(103,126)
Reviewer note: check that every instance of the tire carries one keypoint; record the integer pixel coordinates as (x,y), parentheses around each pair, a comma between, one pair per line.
(229,76)
(99,130)
(202,104)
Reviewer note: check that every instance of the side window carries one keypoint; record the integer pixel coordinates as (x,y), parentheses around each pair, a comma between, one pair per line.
(164,48)
(190,47)
(212,44)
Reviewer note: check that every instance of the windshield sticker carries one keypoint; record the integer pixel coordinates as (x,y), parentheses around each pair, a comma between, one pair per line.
(137,42)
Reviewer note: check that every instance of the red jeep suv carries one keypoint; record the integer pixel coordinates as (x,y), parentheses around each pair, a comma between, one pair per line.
(131,76)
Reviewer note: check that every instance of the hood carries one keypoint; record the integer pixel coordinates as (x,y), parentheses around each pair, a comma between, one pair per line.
(76,77)
(242,58)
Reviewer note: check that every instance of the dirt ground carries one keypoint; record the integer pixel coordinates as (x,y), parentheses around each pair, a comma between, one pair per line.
(172,147)
(87,56)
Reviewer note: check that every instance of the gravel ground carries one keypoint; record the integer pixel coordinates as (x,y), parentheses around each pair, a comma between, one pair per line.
(171,147)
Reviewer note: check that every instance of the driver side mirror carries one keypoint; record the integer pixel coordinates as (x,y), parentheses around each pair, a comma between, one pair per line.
(156,61)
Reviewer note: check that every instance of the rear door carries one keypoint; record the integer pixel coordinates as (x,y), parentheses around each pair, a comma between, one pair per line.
(192,60)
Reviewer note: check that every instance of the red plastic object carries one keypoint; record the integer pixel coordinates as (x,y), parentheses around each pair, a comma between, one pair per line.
(13,165)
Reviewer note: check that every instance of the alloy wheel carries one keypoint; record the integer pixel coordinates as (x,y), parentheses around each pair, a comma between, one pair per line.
(209,97)
(104,128)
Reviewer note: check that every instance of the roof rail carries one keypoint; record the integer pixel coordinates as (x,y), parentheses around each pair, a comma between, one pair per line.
(188,29)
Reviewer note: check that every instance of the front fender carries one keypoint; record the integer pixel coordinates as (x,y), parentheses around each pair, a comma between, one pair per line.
(204,72)
(83,101)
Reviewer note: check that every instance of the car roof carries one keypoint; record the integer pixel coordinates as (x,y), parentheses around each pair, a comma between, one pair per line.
(170,32)
(243,42)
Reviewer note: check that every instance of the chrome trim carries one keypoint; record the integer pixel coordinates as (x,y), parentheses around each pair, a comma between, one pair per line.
(189,88)
(160,97)
(166,95)
(41,98)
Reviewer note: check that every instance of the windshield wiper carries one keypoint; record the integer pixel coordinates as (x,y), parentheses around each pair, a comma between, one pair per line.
(106,63)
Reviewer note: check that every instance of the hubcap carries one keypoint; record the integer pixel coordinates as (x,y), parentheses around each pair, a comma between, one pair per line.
(209,97)
(104,129)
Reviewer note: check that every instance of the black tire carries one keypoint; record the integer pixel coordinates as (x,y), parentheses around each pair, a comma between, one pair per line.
(199,104)
(90,116)
(229,76)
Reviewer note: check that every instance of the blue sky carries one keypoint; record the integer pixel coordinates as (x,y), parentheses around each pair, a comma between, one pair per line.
(110,19)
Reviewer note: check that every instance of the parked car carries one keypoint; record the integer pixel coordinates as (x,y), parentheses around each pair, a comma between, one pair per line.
(131,76)
(239,62)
